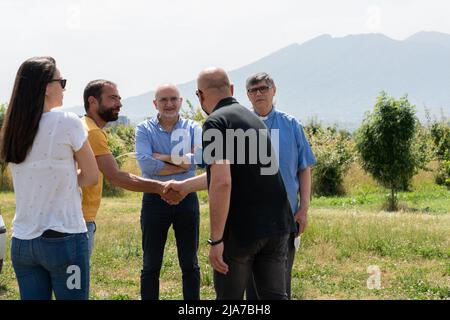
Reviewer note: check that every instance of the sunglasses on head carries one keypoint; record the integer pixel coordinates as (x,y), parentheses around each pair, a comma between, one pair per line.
(62,82)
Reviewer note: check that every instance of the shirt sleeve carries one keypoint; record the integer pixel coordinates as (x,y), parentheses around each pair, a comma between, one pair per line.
(98,141)
(196,156)
(76,133)
(144,151)
(305,155)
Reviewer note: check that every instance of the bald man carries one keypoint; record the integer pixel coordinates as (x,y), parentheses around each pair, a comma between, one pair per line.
(102,103)
(250,216)
(165,149)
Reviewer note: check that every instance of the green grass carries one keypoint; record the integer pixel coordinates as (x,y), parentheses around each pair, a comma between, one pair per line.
(364,194)
(345,236)
(428,199)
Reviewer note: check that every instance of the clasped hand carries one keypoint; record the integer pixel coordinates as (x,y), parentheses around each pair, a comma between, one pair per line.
(173,192)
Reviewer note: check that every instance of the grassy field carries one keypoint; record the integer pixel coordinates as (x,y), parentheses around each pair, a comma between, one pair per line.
(345,236)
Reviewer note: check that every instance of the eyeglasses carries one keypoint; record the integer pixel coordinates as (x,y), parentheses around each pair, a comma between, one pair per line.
(198,93)
(62,82)
(262,90)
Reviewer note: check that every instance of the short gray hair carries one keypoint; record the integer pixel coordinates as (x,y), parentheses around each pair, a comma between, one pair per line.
(261,76)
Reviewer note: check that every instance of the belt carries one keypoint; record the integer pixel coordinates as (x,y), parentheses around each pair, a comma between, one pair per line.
(54,234)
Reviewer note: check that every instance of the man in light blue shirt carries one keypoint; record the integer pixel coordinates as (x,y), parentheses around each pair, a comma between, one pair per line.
(294,155)
(168,148)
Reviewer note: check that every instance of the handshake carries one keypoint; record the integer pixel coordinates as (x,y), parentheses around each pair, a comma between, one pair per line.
(173,192)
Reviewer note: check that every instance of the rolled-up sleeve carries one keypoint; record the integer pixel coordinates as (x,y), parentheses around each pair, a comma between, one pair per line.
(144,152)
(195,157)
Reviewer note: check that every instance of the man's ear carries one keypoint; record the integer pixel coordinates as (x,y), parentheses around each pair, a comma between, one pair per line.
(92,101)
(274,90)
(154,103)
(232,89)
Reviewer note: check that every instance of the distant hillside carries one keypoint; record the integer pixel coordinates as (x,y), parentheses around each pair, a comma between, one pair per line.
(338,79)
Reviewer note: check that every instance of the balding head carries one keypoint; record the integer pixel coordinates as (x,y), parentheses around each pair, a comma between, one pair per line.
(166,87)
(167,102)
(213,85)
(213,78)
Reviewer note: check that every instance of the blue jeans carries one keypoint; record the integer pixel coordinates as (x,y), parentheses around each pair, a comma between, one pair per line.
(91,227)
(156,218)
(45,265)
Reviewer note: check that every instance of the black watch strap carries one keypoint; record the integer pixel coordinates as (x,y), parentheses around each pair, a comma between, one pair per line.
(213,243)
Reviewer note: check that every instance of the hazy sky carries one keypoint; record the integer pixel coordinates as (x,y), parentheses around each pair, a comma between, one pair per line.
(140,44)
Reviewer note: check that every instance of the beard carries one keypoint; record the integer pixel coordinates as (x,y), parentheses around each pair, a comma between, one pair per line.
(107,114)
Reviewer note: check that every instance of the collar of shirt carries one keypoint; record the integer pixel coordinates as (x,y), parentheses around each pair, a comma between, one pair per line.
(91,122)
(270,116)
(224,102)
(157,124)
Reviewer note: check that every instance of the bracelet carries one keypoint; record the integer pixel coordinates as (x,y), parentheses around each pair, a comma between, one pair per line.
(213,243)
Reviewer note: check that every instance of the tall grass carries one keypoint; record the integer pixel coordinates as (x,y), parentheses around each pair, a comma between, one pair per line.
(345,236)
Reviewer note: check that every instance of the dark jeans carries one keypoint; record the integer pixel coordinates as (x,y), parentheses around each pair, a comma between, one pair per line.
(251,292)
(45,265)
(156,218)
(265,258)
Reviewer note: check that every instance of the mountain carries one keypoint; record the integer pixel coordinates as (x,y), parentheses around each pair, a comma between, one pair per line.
(337,80)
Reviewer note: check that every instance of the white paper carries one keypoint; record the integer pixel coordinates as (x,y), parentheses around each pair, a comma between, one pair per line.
(297,242)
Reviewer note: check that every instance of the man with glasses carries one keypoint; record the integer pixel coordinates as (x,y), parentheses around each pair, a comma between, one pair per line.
(250,216)
(295,159)
(102,103)
(166,149)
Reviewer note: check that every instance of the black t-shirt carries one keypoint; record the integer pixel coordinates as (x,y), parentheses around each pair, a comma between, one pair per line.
(259,205)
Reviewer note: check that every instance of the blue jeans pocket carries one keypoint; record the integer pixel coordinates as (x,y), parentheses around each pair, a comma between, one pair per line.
(17,252)
(58,253)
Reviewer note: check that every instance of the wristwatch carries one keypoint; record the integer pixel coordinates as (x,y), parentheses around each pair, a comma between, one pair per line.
(213,243)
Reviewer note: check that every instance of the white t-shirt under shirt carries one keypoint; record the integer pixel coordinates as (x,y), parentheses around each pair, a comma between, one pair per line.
(45,184)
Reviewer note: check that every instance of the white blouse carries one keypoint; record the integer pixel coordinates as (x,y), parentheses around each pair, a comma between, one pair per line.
(45,184)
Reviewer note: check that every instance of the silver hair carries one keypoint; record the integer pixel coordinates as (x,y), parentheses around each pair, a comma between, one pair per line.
(261,76)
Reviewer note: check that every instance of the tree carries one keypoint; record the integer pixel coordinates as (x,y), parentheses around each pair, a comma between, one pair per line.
(386,144)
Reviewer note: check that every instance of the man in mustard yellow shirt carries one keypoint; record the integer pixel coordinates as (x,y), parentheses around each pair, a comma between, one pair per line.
(102,105)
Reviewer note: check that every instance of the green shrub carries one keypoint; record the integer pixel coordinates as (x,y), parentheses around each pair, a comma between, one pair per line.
(120,143)
(440,133)
(193,113)
(443,175)
(334,154)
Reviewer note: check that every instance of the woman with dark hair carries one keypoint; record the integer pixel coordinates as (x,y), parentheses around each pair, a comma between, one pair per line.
(49,247)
